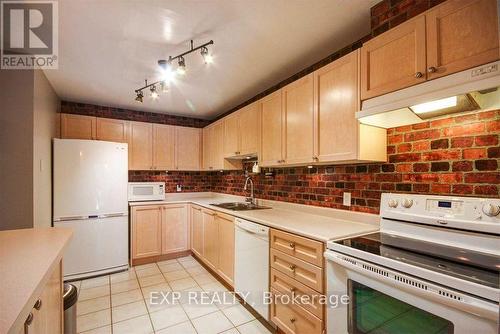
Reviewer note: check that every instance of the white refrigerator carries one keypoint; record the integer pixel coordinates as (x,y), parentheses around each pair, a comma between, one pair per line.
(90,196)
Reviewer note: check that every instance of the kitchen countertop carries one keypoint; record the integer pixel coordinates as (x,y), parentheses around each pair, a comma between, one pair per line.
(322,224)
(27,259)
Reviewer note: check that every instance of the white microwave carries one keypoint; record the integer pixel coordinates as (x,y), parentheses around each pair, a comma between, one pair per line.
(146,191)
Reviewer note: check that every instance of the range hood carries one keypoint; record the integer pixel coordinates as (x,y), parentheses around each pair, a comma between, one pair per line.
(471,90)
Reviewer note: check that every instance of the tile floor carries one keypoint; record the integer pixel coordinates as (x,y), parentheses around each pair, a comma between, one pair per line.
(123,303)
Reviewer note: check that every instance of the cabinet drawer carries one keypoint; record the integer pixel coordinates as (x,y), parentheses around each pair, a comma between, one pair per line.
(302,271)
(302,248)
(284,284)
(292,319)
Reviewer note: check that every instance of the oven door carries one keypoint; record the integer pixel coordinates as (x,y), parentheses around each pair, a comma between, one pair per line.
(386,301)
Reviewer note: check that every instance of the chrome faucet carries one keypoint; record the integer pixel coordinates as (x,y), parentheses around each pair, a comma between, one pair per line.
(250,199)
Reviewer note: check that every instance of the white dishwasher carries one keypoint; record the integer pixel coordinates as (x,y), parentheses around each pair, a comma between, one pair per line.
(251,270)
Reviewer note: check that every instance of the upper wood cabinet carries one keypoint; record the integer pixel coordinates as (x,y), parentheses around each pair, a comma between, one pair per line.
(116,130)
(451,37)
(298,121)
(78,126)
(141,143)
(146,229)
(394,60)
(187,148)
(271,153)
(197,230)
(225,266)
(241,131)
(461,34)
(213,142)
(175,228)
(163,147)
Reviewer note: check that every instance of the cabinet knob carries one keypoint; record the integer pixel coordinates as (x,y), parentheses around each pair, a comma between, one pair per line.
(292,245)
(432,69)
(292,267)
(38,304)
(292,289)
(419,75)
(292,320)
(29,319)
(315,158)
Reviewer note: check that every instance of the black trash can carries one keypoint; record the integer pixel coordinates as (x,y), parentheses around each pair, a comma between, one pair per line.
(70,297)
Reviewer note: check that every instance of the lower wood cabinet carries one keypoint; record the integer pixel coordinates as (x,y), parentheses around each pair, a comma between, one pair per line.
(210,239)
(196,231)
(46,317)
(159,230)
(226,247)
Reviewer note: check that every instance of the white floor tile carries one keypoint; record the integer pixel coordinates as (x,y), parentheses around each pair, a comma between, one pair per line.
(139,325)
(168,317)
(149,271)
(124,286)
(183,284)
(100,330)
(190,264)
(196,311)
(161,263)
(214,286)
(212,323)
(91,293)
(182,328)
(93,320)
(238,314)
(93,305)
(123,276)
(126,297)
(175,275)
(231,331)
(127,311)
(145,266)
(204,279)
(95,282)
(194,271)
(157,289)
(253,327)
(154,305)
(151,280)
(186,259)
(165,268)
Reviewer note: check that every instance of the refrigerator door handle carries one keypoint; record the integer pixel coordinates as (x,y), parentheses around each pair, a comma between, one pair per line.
(60,219)
(111,215)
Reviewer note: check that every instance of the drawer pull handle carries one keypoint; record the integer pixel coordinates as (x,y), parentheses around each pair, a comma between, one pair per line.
(292,320)
(292,267)
(38,304)
(29,319)
(432,69)
(419,75)
(292,289)
(292,245)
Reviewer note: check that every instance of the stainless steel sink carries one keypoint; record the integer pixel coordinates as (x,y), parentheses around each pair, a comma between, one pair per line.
(240,206)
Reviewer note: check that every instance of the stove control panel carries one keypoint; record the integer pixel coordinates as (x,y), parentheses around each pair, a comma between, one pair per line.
(454,207)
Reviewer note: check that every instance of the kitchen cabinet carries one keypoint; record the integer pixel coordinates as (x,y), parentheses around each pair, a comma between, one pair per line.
(146,232)
(163,147)
(241,131)
(461,34)
(187,148)
(394,59)
(451,37)
(298,121)
(175,229)
(338,136)
(225,238)
(140,149)
(213,142)
(116,130)
(271,130)
(210,239)
(47,314)
(197,231)
(78,127)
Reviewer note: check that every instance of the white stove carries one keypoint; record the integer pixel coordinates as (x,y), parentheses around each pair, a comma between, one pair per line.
(432,268)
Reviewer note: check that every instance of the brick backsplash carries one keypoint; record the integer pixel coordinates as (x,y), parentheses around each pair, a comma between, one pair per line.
(130,115)
(190,181)
(452,156)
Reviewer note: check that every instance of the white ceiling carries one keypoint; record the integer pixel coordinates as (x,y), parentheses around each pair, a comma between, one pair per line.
(108,47)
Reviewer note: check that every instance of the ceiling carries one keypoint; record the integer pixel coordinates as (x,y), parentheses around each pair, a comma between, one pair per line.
(108,47)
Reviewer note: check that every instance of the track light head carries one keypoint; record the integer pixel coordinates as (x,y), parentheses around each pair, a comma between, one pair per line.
(139,97)
(207,57)
(182,66)
(163,86)
(154,93)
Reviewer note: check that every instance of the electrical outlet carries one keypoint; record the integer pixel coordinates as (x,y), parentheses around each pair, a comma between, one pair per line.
(347,199)
(179,188)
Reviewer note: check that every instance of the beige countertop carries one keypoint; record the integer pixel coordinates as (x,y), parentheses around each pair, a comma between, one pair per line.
(321,224)
(27,259)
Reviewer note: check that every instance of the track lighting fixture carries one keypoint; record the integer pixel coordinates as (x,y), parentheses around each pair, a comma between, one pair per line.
(168,73)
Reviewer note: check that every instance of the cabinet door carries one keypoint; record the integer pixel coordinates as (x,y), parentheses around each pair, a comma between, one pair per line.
(298,107)
(175,229)
(210,239)
(226,247)
(187,148)
(141,146)
(78,127)
(116,130)
(271,126)
(249,125)
(461,34)
(336,103)
(394,59)
(218,141)
(207,147)
(146,231)
(197,231)
(231,135)
(163,147)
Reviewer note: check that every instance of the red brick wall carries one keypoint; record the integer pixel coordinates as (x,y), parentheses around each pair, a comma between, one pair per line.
(190,181)
(131,115)
(453,156)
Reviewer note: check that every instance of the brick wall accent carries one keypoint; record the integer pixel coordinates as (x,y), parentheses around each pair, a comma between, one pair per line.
(190,181)
(453,156)
(130,115)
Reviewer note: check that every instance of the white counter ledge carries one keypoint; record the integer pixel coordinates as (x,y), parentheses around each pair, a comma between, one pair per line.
(27,259)
(317,223)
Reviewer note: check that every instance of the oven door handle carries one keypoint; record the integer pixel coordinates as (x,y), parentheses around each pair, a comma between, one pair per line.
(417,286)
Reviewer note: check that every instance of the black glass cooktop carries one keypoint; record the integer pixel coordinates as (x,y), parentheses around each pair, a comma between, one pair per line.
(468,265)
